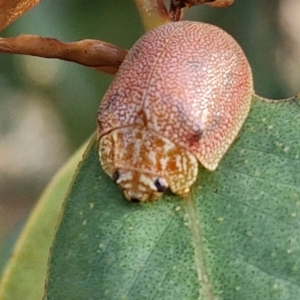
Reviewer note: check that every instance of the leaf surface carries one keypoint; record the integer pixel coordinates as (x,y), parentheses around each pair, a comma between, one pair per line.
(24,276)
(237,237)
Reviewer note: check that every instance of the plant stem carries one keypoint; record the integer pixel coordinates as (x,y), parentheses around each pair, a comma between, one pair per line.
(102,56)
(153,13)
(10,10)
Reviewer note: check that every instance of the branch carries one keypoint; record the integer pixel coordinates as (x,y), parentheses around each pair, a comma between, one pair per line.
(219,3)
(176,6)
(102,56)
(12,9)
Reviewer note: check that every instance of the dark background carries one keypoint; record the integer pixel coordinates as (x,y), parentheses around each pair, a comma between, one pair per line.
(48,107)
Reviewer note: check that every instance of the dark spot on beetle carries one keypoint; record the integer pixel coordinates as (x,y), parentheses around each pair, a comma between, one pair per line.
(161,187)
(141,118)
(135,200)
(116,176)
(195,64)
(196,137)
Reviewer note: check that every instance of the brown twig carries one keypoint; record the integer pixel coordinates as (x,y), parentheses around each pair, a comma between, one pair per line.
(102,56)
(176,6)
(12,9)
(220,3)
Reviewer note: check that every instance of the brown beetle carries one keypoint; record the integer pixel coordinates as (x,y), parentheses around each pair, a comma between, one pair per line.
(180,96)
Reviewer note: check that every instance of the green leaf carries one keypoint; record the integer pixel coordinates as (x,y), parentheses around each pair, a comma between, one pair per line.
(237,238)
(24,276)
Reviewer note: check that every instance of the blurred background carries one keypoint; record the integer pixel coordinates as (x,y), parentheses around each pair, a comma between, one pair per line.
(48,107)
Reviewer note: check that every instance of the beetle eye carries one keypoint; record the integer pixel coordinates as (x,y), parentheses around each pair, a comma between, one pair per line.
(116,176)
(135,200)
(160,185)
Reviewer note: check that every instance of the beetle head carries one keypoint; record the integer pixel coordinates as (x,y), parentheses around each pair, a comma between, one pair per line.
(145,164)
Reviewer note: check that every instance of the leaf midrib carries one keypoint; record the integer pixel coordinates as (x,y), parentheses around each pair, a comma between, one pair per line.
(205,285)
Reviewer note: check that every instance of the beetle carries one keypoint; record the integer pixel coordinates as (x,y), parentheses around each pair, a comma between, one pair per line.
(180,97)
